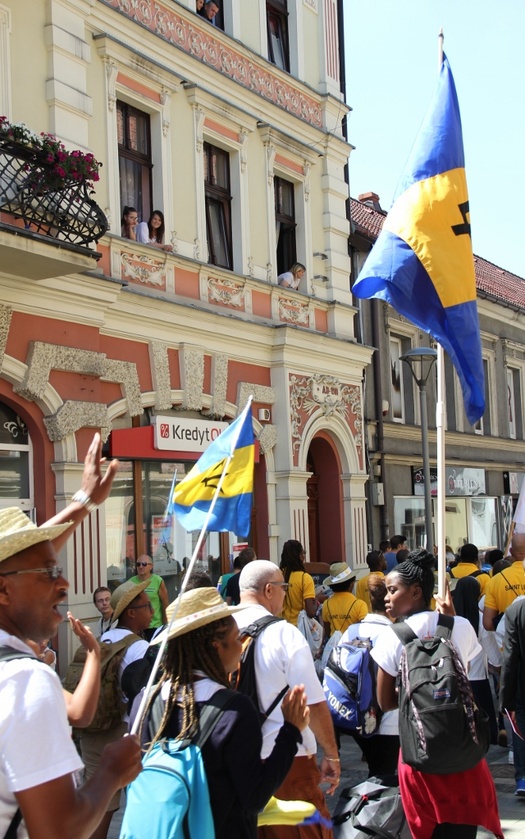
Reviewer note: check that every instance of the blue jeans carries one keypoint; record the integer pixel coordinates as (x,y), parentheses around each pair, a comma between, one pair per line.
(517,744)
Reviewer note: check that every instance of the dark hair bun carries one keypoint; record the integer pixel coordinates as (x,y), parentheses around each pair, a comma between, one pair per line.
(422,558)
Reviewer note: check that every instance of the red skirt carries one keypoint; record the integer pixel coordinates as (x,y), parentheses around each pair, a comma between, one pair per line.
(459,798)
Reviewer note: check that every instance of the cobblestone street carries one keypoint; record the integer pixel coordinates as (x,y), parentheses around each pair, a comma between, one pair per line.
(512,809)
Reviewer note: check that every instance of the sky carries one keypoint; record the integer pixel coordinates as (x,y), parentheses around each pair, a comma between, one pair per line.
(391,70)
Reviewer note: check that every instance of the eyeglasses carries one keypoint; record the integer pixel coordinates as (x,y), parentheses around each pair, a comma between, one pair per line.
(284,586)
(144,606)
(52,573)
(142,564)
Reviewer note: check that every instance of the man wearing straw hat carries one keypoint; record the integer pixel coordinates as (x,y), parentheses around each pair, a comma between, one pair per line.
(283,657)
(37,755)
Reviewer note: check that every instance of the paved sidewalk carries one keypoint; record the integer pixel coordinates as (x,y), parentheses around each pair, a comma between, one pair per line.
(353,771)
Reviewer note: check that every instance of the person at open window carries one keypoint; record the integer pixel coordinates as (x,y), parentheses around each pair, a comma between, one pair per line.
(209,11)
(129,222)
(292,278)
(152,232)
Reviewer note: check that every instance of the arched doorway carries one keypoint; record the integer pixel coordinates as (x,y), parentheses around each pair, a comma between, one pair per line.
(325,502)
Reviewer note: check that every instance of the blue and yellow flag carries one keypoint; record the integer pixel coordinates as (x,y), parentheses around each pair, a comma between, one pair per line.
(192,497)
(422,262)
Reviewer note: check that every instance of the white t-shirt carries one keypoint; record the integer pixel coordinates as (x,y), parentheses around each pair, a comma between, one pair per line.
(288,280)
(282,657)
(373,627)
(142,233)
(387,651)
(35,741)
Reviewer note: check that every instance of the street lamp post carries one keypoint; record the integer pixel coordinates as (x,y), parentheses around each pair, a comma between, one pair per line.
(421,360)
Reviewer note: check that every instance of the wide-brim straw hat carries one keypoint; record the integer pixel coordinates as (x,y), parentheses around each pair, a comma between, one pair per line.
(124,594)
(340,572)
(17,532)
(195,608)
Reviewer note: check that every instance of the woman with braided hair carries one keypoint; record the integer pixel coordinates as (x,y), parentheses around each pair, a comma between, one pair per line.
(202,650)
(301,586)
(436,806)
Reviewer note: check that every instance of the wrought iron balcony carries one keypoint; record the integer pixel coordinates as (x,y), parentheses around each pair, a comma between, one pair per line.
(59,207)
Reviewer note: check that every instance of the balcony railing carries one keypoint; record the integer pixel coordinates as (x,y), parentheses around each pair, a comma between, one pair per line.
(57,207)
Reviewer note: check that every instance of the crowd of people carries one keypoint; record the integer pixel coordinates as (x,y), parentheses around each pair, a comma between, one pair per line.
(276,739)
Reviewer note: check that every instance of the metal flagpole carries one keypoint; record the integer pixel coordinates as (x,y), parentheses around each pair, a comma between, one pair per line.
(200,540)
(440,436)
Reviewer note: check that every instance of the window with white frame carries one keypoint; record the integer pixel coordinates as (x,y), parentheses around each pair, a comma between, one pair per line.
(218,201)
(484,424)
(285,224)
(277,23)
(135,159)
(397,385)
(514,413)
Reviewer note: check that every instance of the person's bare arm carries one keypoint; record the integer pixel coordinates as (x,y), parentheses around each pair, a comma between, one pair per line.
(386,691)
(96,486)
(82,704)
(323,728)
(488,618)
(310,606)
(57,810)
(164,600)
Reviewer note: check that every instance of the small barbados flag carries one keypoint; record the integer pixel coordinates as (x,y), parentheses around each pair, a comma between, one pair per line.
(422,262)
(192,497)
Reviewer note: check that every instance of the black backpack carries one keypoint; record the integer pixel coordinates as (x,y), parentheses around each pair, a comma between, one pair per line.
(245,679)
(441,729)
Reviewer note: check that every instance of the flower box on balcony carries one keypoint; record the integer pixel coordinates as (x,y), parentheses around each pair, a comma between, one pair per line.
(48,187)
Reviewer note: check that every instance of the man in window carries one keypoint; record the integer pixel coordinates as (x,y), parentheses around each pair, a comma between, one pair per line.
(210,10)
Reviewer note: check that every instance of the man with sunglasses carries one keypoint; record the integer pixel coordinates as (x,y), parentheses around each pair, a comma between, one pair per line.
(156,591)
(37,755)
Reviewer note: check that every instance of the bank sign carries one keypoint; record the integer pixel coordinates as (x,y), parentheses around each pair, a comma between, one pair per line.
(185,435)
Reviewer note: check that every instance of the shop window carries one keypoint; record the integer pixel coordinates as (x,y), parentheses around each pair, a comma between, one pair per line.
(277,22)
(134,156)
(15,461)
(218,206)
(285,224)
(136,523)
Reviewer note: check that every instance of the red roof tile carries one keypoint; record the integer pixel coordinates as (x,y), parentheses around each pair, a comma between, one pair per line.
(490,279)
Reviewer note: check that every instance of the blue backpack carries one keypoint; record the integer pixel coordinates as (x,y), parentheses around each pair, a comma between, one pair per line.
(170,798)
(349,684)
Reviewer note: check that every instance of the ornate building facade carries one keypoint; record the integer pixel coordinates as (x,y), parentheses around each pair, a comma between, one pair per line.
(235,130)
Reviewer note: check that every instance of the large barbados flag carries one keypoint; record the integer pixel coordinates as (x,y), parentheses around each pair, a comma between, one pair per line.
(193,496)
(422,261)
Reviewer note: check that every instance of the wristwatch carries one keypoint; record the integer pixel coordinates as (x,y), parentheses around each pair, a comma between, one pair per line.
(84,499)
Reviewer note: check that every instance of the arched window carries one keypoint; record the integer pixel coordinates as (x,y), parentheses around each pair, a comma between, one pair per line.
(16,456)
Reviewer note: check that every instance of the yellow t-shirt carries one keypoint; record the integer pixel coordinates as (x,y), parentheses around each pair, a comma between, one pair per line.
(503,589)
(301,588)
(465,569)
(342,609)
(361,589)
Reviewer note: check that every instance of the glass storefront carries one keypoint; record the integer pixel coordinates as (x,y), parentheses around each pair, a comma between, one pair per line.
(147,484)
(15,461)
(466,520)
